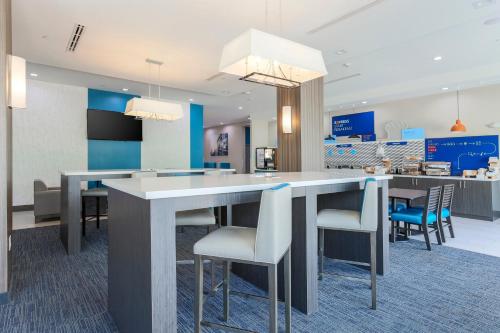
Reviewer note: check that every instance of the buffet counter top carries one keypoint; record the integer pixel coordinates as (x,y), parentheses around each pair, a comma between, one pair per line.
(448,177)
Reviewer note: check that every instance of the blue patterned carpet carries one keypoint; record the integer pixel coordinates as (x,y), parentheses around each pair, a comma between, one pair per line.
(446,290)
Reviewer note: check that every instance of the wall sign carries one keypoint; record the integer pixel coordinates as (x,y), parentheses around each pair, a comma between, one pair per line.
(464,153)
(354,124)
(413,134)
(397,143)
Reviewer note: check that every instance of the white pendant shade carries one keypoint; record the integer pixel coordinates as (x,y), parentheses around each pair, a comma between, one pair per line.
(153,109)
(16,82)
(264,58)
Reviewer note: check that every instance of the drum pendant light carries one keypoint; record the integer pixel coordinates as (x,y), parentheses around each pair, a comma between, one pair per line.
(458,126)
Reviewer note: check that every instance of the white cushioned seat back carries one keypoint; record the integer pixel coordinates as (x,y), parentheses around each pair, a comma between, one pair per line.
(144,174)
(369,211)
(274,229)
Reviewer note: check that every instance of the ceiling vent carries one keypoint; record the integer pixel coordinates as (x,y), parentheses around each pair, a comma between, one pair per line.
(74,39)
(343,78)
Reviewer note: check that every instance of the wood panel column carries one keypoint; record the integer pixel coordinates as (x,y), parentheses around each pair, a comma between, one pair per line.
(289,143)
(301,150)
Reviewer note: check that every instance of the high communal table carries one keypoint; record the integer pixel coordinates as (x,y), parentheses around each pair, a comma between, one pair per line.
(70,228)
(142,295)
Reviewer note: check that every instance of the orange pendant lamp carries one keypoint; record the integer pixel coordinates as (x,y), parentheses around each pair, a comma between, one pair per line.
(458,126)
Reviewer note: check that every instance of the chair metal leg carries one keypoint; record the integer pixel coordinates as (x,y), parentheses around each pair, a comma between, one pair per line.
(84,217)
(450,227)
(97,211)
(321,254)
(273,298)
(198,297)
(438,233)
(441,230)
(227,275)
(425,229)
(393,232)
(373,268)
(213,283)
(288,292)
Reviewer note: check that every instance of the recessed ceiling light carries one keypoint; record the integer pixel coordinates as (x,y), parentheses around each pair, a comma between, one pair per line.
(248,92)
(341,52)
(438,58)
(222,123)
(347,65)
(492,21)
(34,74)
(249,118)
(124,89)
(240,108)
(445,88)
(191,100)
(364,102)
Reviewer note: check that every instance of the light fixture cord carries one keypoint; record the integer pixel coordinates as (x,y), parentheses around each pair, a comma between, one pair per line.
(281,19)
(159,90)
(458,105)
(149,80)
(266,14)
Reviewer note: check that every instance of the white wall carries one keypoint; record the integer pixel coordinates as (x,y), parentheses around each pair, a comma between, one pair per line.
(48,136)
(259,137)
(437,113)
(272,135)
(236,145)
(166,144)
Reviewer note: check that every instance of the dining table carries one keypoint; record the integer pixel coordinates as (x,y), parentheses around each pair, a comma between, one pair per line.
(142,291)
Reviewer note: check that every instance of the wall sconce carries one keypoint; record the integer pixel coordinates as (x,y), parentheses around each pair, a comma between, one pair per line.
(16,87)
(286,119)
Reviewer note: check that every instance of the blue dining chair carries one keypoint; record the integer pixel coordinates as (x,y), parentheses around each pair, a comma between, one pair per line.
(399,207)
(426,218)
(210,165)
(225,165)
(444,218)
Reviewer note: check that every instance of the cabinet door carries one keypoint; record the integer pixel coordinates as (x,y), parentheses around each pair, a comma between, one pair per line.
(401,182)
(477,198)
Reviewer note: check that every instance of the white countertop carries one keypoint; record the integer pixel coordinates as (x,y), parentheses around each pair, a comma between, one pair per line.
(169,187)
(448,177)
(130,171)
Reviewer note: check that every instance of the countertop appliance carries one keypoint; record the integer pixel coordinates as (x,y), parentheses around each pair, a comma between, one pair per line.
(265,158)
(436,168)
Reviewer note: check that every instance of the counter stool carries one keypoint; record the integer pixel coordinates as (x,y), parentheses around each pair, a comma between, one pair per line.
(97,193)
(265,245)
(426,217)
(365,221)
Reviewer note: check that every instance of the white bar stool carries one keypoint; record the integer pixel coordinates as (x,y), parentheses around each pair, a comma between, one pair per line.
(365,221)
(265,245)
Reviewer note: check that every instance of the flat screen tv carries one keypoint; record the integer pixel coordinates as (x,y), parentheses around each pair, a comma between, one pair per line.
(109,125)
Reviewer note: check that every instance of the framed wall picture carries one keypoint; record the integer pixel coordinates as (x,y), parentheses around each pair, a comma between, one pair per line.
(222,146)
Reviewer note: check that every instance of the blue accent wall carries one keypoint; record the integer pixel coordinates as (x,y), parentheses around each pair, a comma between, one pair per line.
(107,100)
(247,135)
(108,154)
(196,132)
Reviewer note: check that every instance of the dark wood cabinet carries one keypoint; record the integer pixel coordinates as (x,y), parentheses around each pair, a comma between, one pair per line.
(472,198)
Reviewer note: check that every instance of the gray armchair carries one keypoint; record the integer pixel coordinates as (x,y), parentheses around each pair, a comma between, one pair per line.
(47,201)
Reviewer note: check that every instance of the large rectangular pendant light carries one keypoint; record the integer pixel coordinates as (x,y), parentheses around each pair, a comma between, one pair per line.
(153,109)
(263,58)
(16,82)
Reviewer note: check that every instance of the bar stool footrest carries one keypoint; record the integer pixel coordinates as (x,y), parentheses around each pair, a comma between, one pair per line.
(226,328)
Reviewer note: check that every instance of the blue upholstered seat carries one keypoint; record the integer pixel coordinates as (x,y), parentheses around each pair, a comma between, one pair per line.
(399,207)
(413,216)
(445,213)
(211,165)
(225,165)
